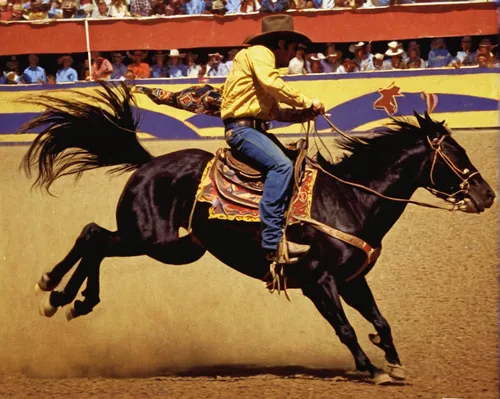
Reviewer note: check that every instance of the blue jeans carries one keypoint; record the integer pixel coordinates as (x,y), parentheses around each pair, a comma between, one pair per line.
(278,172)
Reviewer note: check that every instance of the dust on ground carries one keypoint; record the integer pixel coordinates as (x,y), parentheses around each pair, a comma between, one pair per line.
(204,330)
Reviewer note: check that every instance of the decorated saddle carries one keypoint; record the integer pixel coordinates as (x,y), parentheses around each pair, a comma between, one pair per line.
(234,190)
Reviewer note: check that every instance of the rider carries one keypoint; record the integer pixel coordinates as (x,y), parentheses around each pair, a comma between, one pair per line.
(251,96)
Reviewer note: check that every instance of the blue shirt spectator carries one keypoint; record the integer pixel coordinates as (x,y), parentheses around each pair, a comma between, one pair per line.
(439,56)
(66,75)
(160,71)
(119,71)
(274,6)
(218,69)
(233,6)
(195,7)
(34,73)
(177,71)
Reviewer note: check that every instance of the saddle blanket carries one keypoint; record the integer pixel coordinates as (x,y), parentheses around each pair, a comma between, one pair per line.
(235,199)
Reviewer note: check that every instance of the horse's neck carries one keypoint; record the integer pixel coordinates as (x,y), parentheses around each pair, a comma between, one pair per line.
(375,216)
(402,181)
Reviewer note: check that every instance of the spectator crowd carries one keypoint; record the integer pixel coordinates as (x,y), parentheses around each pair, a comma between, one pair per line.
(15,10)
(291,59)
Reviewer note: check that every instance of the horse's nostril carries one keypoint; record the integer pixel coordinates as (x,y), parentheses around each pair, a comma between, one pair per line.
(490,194)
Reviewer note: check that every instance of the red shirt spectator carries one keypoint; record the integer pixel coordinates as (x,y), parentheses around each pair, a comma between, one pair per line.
(141,69)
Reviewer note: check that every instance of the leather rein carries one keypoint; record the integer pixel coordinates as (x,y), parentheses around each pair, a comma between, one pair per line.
(435,144)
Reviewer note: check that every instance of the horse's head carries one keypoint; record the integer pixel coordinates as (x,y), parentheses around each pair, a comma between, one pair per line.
(452,176)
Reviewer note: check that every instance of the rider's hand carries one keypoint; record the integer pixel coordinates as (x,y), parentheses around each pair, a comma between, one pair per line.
(318,107)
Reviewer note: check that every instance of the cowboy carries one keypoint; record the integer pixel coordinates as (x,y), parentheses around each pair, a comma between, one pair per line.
(66,73)
(396,54)
(348,66)
(192,69)
(413,60)
(316,65)
(216,66)
(176,68)
(439,56)
(332,61)
(361,58)
(465,57)
(298,65)
(141,69)
(378,61)
(34,73)
(283,54)
(251,96)
(159,69)
(119,69)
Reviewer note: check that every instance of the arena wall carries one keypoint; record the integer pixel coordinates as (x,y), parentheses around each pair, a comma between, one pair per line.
(361,102)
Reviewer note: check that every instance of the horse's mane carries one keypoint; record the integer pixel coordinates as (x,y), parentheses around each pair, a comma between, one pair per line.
(362,158)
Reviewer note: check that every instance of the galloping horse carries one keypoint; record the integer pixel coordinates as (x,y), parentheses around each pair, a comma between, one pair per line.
(158,200)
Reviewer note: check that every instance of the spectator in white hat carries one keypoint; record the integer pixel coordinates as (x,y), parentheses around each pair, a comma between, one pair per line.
(316,65)
(394,45)
(176,68)
(332,62)
(378,61)
(361,58)
(396,59)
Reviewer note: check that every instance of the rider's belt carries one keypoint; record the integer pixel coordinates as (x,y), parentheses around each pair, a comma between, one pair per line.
(257,124)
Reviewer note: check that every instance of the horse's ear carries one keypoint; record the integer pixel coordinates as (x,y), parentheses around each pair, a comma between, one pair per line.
(427,117)
(421,121)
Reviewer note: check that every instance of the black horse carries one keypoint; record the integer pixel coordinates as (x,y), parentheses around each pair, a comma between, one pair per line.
(100,131)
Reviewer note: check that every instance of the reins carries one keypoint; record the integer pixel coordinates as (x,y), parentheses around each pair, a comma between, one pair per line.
(435,145)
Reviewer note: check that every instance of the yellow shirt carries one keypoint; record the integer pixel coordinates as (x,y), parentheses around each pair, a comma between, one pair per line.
(254,88)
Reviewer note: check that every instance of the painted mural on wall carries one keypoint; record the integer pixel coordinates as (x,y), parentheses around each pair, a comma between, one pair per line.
(466,98)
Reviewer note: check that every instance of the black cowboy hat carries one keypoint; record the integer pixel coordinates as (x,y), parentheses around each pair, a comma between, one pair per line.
(277,27)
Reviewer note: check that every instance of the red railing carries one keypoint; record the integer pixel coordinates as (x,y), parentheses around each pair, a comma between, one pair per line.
(338,25)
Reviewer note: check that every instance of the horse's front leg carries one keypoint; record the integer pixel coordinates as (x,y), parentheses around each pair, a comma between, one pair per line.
(357,294)
(325,296)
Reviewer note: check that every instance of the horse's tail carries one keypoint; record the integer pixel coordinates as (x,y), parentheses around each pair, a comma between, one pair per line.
(82,134)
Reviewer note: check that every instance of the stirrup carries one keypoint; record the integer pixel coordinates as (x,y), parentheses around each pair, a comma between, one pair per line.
(282,257)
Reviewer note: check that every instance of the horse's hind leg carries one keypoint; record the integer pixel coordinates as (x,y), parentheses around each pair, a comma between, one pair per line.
(95,244)
(358,295)
(50,280)
(325,296)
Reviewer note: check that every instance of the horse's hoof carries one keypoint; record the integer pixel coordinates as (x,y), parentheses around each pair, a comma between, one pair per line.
(70,313)
(382,378)
(46,309)
(45,284)
(38,289)
(396,371)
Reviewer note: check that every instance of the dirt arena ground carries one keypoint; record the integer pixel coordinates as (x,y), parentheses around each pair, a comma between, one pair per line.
(205,331)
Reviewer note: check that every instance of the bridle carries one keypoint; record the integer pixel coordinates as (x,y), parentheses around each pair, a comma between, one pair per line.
(464,175)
